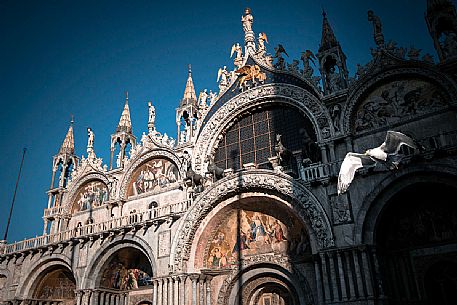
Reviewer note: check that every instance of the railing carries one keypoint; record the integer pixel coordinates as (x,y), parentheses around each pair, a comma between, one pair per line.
(53,211)
(319,171)
(125,221)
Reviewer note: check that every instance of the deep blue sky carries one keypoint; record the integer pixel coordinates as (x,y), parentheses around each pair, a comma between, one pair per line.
(59,58)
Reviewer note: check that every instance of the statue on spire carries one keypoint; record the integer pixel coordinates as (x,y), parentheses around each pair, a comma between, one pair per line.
(247,19)
(151,118)
(90,144)
(377,28)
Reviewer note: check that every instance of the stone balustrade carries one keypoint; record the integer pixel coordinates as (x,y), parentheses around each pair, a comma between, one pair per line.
(141,219)
(53,211)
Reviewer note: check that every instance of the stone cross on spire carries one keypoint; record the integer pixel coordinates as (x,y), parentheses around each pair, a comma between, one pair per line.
(189,92)
(328,39)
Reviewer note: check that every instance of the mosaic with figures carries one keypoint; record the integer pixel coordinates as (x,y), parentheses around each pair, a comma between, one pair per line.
(396,100)
(90,195)
(152,176)
(258,233)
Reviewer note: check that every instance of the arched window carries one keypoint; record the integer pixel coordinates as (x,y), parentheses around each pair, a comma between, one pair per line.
(252,138)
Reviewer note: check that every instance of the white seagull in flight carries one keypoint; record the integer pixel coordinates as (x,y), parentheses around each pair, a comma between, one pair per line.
(386,153)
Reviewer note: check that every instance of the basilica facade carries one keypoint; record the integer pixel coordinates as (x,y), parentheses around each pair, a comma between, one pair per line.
(242,207)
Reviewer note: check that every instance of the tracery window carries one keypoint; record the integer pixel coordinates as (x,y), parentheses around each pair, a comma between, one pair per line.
(252,138)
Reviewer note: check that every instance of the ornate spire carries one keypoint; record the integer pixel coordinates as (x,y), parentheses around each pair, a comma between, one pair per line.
(125,124)
(68,145)
(189,93)
(328,39)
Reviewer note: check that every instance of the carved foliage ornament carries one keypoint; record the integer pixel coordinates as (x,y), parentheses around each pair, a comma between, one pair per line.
(293,95)
(306,206)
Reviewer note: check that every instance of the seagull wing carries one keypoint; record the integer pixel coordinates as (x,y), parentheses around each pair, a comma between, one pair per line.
(394,140)
(351,163)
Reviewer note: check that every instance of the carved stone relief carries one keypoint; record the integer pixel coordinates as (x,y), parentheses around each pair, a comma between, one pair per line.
(397,100)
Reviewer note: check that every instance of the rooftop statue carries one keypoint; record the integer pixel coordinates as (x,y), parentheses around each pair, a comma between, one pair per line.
(377,28)
(262,39)
(247,19)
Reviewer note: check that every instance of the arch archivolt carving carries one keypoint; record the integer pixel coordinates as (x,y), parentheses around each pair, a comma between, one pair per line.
(38,269)
(303,202)
(68,201)
(279,272)
(370,83)
(134,164)
(94,270)
(258,96)
(375,201)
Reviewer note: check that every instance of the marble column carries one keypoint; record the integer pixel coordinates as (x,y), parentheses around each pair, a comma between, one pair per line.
(194,279)
(317,271)
(201,292)
(159,292)
(367,272)
(342,280)
(154,292)
(78,294)
(358,273)
(182,290)
(94,298)
(334,280)
(326,278)
(350,275)
(175,290)
(208,289)
(165,291)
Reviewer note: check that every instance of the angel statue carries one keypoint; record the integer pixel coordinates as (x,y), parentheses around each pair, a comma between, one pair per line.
(203,96)
(306,57)
(262,39)
(279,50)
(239,51)
(239,55)
(223,78)
(387,153)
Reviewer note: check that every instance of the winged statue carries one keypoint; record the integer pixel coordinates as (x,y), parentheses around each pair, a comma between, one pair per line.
(280,49)
(236,48)
(250,73)
(386,153)
(308,55)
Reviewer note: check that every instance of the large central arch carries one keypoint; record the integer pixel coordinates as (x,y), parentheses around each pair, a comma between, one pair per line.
(258,96)
(301,200)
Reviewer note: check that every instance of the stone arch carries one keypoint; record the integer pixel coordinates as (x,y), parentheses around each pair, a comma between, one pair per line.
(93,272)
(234,211)
(39,269)
(373,204)
(142,158)
(300,198)
(243,284)
(364,87)
(75,187)
(262,95)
